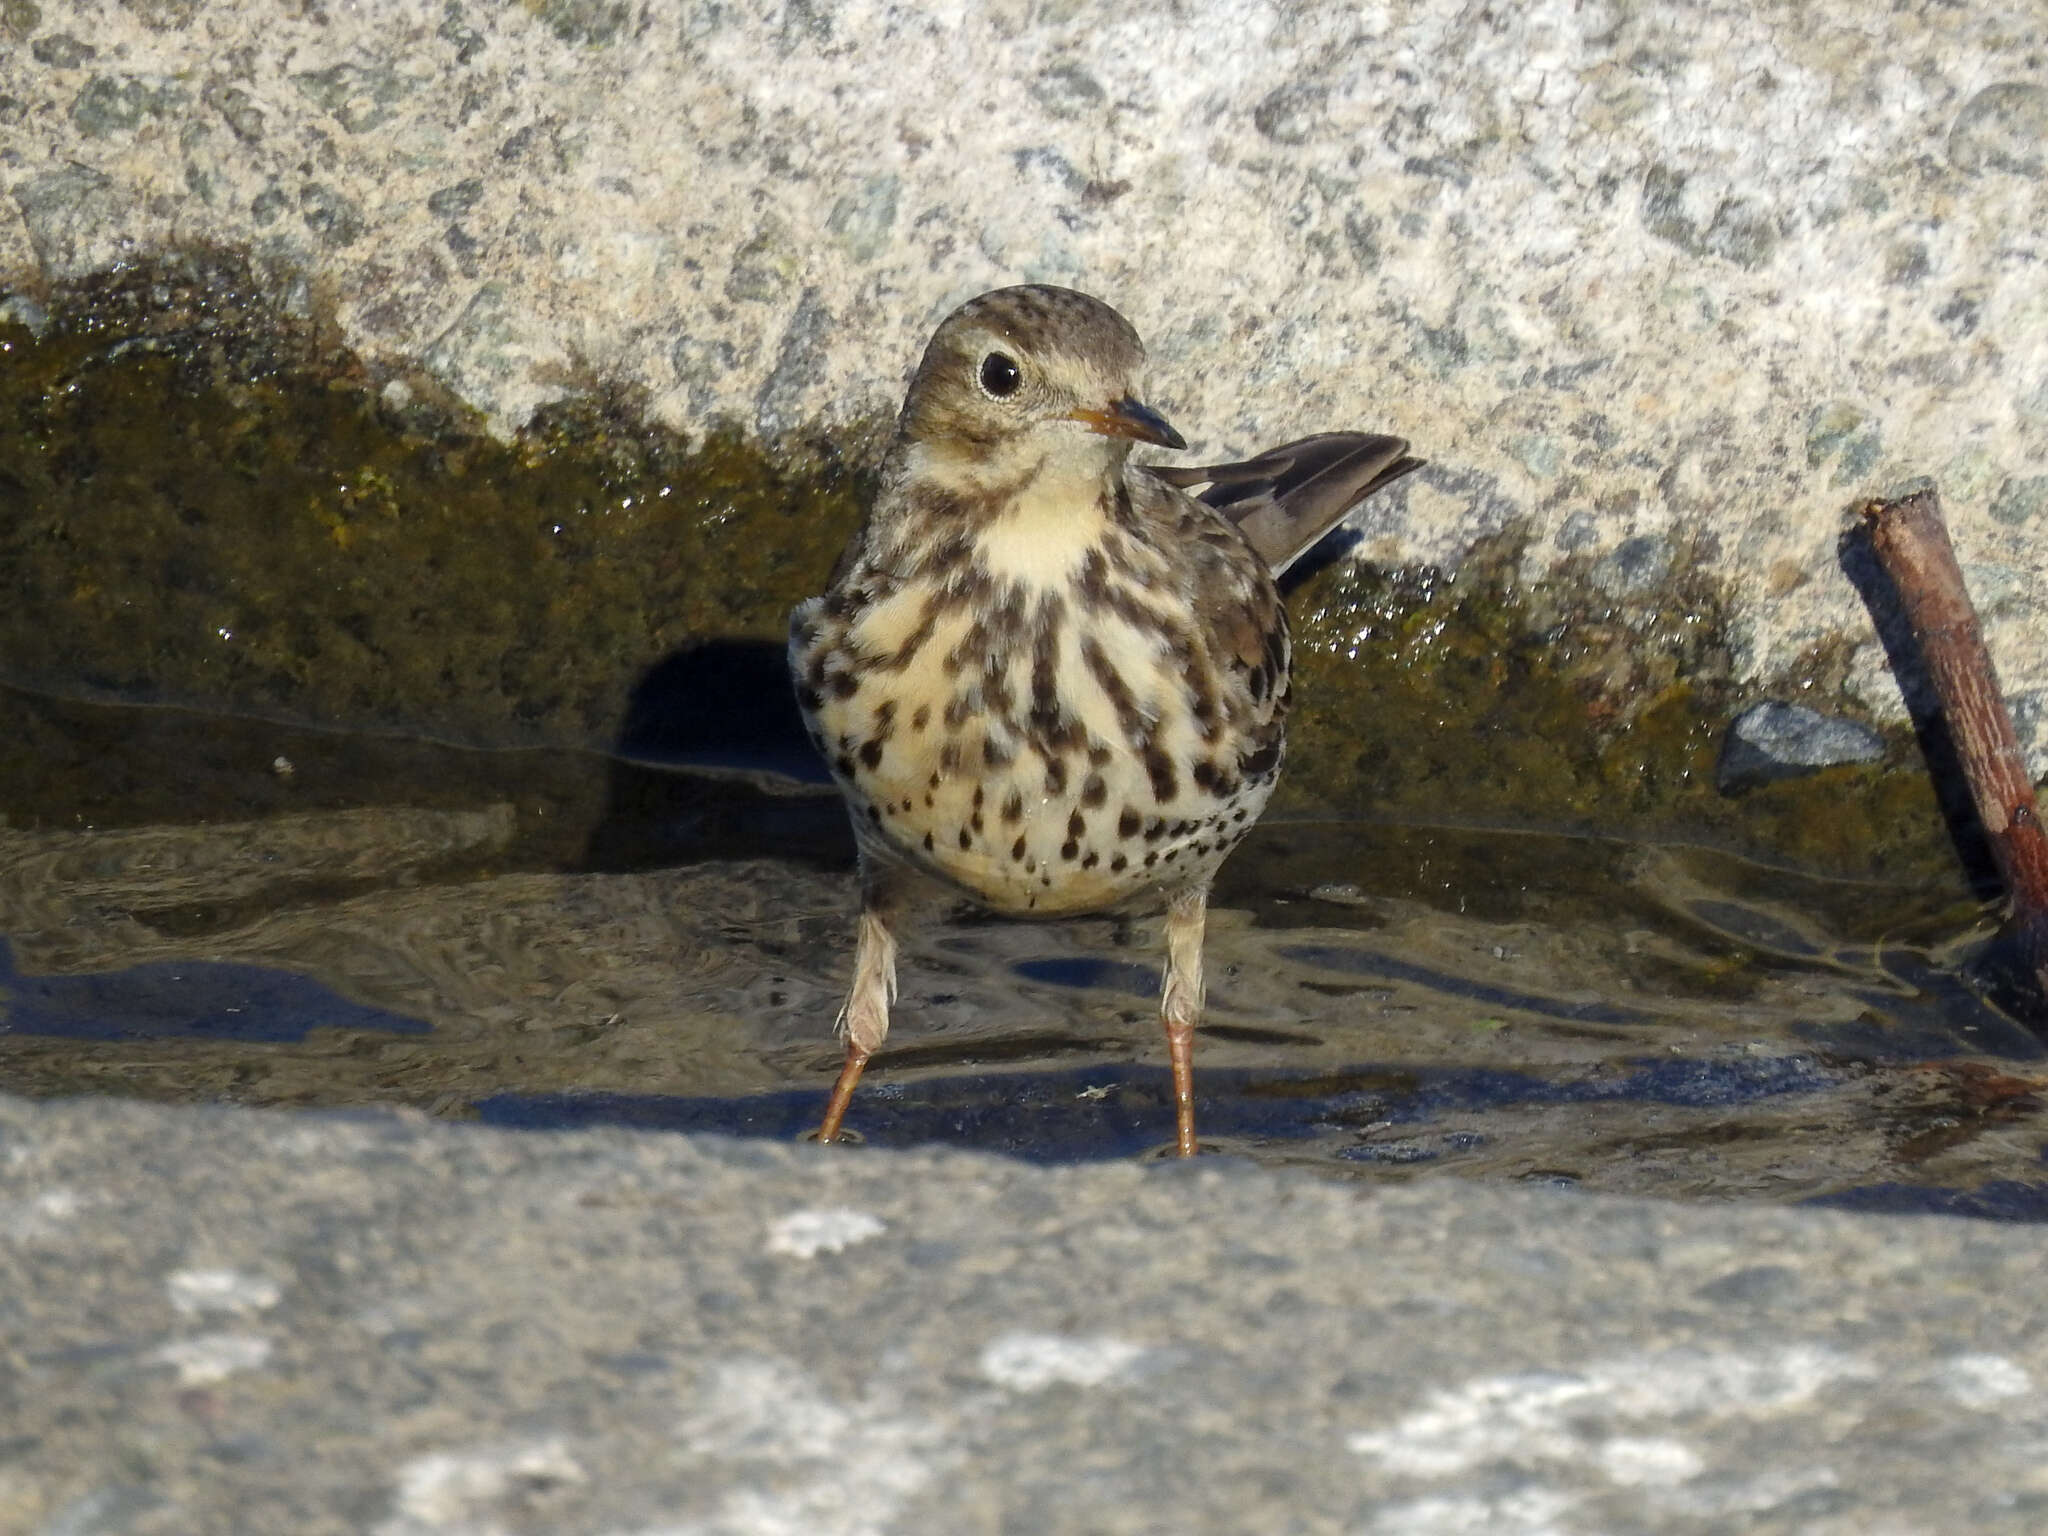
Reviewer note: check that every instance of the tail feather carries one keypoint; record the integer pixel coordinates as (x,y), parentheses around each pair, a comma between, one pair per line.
(1285,500)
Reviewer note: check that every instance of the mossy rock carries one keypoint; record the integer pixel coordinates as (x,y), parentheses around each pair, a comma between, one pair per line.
(206,499)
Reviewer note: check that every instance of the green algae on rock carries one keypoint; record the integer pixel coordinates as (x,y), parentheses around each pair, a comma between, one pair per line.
(203,500)
(206,500)
(1464,697)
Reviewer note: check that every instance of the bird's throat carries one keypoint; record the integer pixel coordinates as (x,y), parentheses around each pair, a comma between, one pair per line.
(1041,535)
(1038,508)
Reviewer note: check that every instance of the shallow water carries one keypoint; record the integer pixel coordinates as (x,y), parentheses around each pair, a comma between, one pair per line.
(202,909)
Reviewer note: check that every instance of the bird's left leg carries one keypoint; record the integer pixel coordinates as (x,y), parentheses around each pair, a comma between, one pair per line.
(864,1018)
(1180,1005)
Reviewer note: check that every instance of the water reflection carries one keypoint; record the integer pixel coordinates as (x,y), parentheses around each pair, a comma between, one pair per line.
(565,939)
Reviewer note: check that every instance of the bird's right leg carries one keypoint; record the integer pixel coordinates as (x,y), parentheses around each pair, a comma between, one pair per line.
(864,1020)
(1180,1006)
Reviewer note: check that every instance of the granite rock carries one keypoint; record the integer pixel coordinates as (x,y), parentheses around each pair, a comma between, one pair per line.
(1564,246)
(221,1320)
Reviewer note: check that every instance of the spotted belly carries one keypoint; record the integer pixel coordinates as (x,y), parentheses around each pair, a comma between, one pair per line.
(1017,828)
(1043,836)
(1035,764)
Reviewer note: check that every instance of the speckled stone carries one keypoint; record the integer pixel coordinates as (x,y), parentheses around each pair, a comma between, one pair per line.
(222,1320)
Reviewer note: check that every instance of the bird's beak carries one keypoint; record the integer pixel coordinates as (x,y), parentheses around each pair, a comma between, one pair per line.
(1133,419)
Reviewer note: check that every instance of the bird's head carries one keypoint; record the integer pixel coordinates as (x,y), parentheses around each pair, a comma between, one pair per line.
(1021,374)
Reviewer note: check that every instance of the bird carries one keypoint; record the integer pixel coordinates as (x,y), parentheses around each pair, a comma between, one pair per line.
(1045,677)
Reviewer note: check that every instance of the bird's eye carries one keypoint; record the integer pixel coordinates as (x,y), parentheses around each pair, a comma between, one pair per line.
(1000,375)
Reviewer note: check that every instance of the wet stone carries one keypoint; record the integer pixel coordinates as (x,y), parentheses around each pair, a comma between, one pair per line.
(1423,694)
(1773,741)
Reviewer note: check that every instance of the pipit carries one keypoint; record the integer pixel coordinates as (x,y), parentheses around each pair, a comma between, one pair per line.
(1046,678)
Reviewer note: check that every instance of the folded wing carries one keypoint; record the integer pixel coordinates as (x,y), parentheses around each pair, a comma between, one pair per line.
(1287,498)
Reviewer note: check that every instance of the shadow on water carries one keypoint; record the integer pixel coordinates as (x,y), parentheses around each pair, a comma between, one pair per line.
(721,704)
(1995,1200)
(185,1000)
(1115,1110)
(723,707)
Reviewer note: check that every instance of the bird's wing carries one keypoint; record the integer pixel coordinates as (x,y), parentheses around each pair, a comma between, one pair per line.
(1287,498)
(1229,622)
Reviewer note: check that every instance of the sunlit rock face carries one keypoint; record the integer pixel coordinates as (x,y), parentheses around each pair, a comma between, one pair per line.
(1651,285)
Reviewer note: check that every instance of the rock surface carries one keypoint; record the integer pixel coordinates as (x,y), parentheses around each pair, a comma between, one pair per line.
(220,1320)
(1774,740)
(1642,280)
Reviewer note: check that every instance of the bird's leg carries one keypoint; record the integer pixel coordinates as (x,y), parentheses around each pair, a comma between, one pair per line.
(864,1019)
(1180,1006)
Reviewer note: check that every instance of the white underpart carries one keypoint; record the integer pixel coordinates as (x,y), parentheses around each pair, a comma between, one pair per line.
(885,626)
(1040,543)
(1135,656)
(1042,536)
